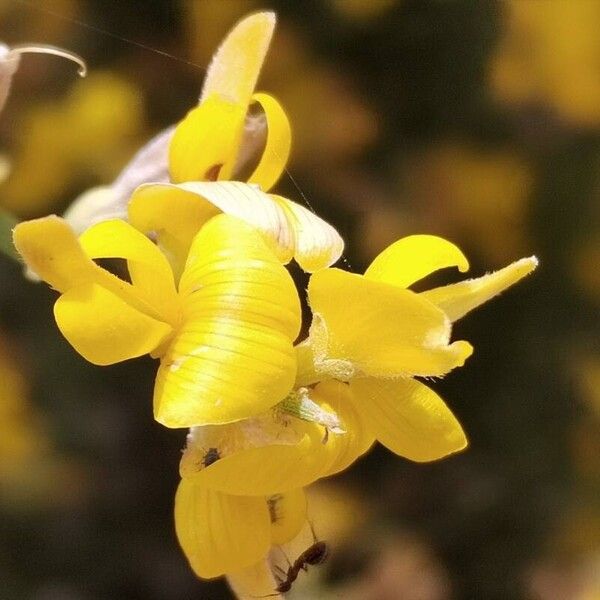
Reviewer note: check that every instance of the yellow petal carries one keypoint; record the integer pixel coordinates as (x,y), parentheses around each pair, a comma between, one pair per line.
(256,581)
(233,357)
(317,244)
(382,330)
(267,470)
(235,67)
(219,533)
(205,143)
(458,299)
(176,213)
(306,373)
(51,250)
(288,515)
(148,268)
(278,144)
(103,328)
(343,448)
(410,259)
(408,418)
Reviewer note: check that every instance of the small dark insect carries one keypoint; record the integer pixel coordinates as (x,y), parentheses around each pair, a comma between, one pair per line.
(212,455)
(314,555)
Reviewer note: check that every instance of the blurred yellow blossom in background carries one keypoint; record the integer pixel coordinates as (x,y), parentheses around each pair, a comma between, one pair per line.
(550,56)
(88,134)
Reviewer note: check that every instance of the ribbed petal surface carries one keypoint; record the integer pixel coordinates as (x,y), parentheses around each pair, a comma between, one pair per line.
(233,356)
(219,533)
(317,244)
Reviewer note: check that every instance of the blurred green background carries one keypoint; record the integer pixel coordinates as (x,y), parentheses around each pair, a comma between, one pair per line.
(476,121)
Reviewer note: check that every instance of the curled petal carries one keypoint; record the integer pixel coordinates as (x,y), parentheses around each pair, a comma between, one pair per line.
(410,259)
(382,330)
(277,146)
(176,212)
(103,328)
(148,268)
(317,244)
(219,533)
(408,418)
(457,299)
(233,356)
(288,515)
(205,143)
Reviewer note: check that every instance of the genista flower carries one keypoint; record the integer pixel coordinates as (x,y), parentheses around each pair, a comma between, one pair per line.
(259,466)
(223,331)
(208,154)
(375,334)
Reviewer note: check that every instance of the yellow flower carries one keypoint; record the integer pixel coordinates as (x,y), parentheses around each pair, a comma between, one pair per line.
(248,477)
(91,131)
(550,53)
(220,140)
(223,331)
(216,142)
(375,334)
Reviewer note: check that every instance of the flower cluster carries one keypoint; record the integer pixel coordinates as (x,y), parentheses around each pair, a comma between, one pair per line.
(207,293)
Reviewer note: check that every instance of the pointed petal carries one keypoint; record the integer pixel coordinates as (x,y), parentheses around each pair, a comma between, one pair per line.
(103,328)
(148,267)
(288,515)
(317,244)
(256,581)
(235,67)
(458,299)
(382,330)
(177,212)
(278,143)
(408,418)
(205,143)
(410,259)
(233,357)
(219,533)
